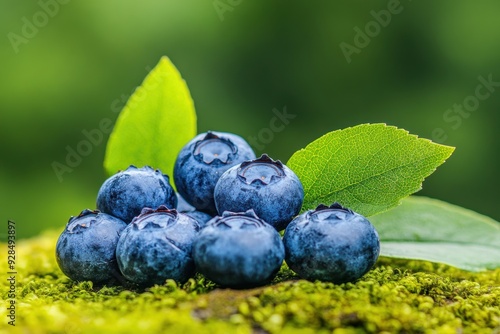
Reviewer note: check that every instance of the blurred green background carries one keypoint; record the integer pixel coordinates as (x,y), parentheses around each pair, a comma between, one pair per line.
(66,65)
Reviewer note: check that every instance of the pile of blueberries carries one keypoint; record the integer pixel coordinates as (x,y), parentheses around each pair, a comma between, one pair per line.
(224,223)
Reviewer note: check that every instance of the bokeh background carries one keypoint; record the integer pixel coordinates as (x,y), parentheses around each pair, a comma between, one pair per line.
(77,63)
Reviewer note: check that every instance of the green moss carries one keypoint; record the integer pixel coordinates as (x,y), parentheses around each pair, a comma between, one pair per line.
(396,296)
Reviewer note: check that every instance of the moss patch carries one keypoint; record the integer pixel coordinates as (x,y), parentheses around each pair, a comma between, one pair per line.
(396,296)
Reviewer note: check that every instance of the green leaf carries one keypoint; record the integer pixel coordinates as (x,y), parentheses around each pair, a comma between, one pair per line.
(157,121)
(432,230)
(368,168)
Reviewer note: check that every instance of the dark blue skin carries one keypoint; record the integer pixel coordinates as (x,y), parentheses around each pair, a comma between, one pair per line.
(126,193)
(331,244)
(268,187)
(156,246)
(85,250)
(238,250)
(202,161)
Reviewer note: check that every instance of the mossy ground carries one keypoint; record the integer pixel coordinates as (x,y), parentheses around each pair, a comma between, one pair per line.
(395,297)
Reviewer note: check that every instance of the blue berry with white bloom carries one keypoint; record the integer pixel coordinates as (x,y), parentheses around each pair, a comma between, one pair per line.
(331,244)
(85,250)
(238,250)
(267,186)
(126,193)
(156,246)
(202,161)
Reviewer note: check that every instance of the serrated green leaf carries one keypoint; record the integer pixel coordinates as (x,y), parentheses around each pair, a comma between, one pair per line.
(422,228)
(157,121)
(368,168)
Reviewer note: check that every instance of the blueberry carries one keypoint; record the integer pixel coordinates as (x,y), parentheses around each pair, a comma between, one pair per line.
(331,244)
(85,250)
(238,250)
(126,193)
(202,161)
(268,187)
(156,246)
